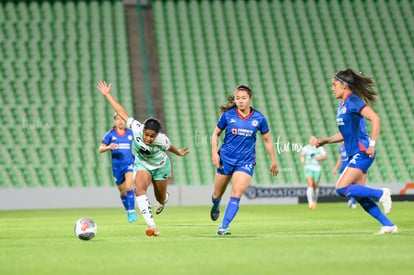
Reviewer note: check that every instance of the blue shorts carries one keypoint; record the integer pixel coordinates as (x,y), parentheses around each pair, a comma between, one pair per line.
(361,161)
(228,169)
(119,173)
(344,164)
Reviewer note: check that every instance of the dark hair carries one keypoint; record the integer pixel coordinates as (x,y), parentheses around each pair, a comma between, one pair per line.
(230,98)
(152,124)
(361,85)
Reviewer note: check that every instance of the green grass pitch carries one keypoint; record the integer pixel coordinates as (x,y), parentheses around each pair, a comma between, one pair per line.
(276,239)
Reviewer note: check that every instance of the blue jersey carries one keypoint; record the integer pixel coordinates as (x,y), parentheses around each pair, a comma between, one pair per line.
(122,155)
(239,145)
(352,124)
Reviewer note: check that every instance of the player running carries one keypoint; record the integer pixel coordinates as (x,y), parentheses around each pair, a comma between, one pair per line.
(118,141)
(311,158)
(152,164)
(355,90)
(236,158)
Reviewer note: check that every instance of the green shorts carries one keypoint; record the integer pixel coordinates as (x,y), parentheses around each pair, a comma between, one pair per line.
(316,175)
(161,173)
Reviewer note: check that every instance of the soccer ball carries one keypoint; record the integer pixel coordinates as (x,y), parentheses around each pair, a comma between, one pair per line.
(85,229)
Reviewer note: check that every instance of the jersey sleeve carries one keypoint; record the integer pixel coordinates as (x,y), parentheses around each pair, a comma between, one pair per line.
(357,105)
(134,125)
(322,151)
(163,141)
(264,128)
(222,122)
(107,138)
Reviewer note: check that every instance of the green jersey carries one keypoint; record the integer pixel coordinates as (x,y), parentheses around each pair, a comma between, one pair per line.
(310,152)
(150,156)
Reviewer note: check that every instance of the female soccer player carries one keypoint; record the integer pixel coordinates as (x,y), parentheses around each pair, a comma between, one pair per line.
(151,161)
(236,158)
(355,90)
(118,141)
(310,158)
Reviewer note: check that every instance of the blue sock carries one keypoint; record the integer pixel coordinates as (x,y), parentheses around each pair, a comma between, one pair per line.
(360,191)
(231,211)
(372,208)
(124,202)
(216,202)
(130,198)
(352,199)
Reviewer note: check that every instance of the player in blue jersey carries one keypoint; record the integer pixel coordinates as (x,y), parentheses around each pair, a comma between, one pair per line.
(152,164)
(355,91)
(118,141)
(236,158)
(341,163)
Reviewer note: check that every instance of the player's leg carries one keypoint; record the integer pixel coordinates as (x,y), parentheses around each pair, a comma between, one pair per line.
(352,202)
(346,188)
(240,182)
(309,190)
(130,197)
(221,180)
(160,179)
(316,179)
(124,184)
(372,208)
(161,194)
(143,179)
(315,191)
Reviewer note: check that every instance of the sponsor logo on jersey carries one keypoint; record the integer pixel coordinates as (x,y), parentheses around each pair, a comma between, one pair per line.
(129,137)
(242,132)
(124,146)
(255,122)
(340,121)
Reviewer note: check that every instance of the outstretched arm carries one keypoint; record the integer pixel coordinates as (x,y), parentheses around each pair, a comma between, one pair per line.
(179,152)
(105,90)
(333,139)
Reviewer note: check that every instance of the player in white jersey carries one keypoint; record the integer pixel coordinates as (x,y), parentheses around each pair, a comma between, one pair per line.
(152,164)
(310,158)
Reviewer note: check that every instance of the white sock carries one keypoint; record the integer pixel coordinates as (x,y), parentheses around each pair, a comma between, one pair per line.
(145,208)
(315,194)
(309,195)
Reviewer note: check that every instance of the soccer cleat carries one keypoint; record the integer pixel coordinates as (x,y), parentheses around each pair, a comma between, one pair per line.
(388,230)
(312,206)
(152,231)
(132,216)
(159,207)
(385,200)
(214,213)
(223,231)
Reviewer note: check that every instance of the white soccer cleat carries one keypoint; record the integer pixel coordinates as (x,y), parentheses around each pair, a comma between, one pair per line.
(385,200)
(388,230)
(160,206)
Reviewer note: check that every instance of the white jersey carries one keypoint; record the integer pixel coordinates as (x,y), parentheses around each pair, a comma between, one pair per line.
(310,152)
(150,156)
